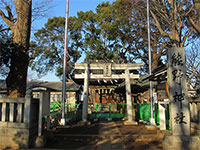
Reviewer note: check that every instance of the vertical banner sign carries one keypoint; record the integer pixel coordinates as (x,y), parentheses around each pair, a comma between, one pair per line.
(178,94)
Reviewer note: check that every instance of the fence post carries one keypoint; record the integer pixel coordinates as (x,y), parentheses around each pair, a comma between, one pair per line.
(27,108)
(19,114)
(109,104)
(3,112)
(11,115)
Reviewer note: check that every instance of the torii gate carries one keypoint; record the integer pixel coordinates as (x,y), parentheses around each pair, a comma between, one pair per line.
(108,69)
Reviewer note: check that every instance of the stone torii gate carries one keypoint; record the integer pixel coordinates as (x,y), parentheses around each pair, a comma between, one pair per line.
(108,73)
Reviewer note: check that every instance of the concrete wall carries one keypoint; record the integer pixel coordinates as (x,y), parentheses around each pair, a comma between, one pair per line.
(18,122)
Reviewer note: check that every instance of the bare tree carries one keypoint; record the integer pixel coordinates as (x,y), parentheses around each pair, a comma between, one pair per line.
(168,17)
(193,66)
(193,15)
(168,24)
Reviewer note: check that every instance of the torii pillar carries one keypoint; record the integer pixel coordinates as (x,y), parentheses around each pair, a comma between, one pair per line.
(85,93)
(128,99)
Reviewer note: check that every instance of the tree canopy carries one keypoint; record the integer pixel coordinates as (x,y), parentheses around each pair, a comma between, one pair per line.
(117,31)
(48,47)
(5,53)
(104,34)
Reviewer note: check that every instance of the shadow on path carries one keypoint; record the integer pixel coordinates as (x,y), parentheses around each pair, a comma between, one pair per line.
(105,135)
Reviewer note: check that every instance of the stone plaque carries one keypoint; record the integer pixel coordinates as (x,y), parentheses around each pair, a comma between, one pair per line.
(178,94)
(107,70)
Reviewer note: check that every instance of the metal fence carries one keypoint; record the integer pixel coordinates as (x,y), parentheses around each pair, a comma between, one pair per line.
(106,110)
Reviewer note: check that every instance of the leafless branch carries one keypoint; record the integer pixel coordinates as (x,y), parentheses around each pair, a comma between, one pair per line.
(41,9)
(6,19)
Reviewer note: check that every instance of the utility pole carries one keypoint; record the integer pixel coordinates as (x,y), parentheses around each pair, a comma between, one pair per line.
(152,121)
(65,65)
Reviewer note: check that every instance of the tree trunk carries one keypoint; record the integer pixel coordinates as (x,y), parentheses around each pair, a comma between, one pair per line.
(16,80)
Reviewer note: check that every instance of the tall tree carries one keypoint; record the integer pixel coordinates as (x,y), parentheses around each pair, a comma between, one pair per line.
(104,34)
(48,47)
(14,54)
(20,28)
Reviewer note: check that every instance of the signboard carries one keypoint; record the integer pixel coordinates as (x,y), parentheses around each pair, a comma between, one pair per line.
(107,70)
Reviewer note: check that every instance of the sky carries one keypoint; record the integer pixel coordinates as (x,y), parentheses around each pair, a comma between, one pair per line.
(59,9)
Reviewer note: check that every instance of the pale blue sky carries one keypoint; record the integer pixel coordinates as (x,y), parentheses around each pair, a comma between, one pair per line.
(59,9)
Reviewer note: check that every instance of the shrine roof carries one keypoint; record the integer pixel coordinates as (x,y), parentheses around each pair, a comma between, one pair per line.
(53,86)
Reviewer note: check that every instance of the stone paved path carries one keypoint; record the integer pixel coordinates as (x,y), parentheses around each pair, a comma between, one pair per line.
(104,135)
(110,137)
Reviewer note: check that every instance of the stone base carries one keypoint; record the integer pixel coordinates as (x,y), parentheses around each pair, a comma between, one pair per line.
(151,127)
(62,122)
(109,119)
(40,141)
(96,119)
(130,123)
(152,121)
(175,142)
(85,123)
(63,127)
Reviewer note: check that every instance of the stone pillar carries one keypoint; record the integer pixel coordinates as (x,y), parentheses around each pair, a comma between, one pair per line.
(85,94)
(44,109)
(195,112)
(162,116)
(198,109)
(40,114)
(191,112)
(128,98)
(178,94)
(179,104)
(27,108)
(48,123)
